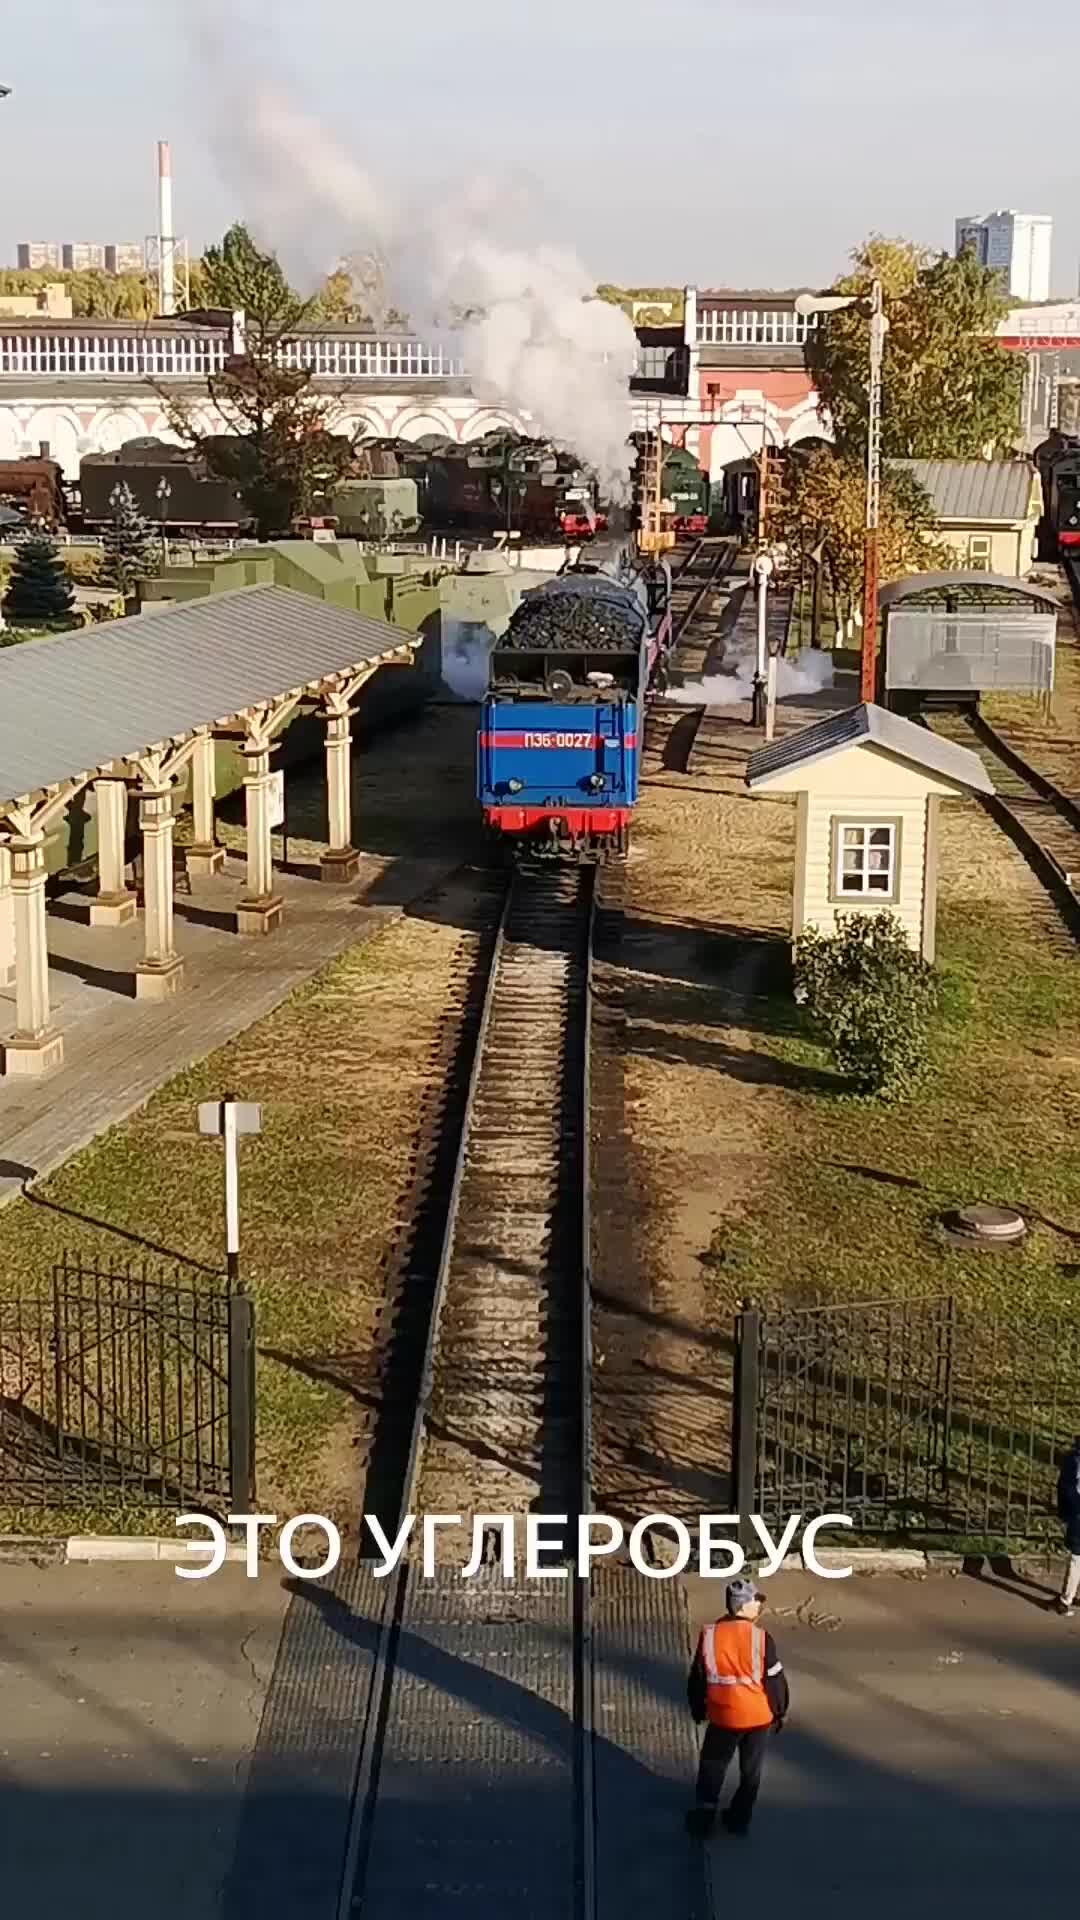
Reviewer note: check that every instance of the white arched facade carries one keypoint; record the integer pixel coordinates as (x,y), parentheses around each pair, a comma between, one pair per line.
(101,422)
(489,420)
(59,428)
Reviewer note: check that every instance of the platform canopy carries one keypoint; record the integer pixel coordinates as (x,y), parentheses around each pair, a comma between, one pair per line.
(77,704)
(965,589)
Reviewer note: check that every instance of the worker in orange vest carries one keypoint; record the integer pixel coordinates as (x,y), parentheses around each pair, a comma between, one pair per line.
(739,1689)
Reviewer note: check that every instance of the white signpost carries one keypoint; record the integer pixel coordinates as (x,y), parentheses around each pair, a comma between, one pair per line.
(227,1119)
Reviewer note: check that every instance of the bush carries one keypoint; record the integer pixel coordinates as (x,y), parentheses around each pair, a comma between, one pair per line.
(870,999)
(84,565)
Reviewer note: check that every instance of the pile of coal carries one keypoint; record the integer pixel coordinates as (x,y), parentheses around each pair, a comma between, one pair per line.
(588,614)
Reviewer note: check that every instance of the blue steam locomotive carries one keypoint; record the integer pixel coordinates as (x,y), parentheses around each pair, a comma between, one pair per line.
(559,746)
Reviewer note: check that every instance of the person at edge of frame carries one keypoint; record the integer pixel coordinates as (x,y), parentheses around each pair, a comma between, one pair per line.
(1068,1506)
(738,1689)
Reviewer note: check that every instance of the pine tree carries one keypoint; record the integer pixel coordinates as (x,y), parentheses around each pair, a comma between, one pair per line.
(39,589)
(128,544)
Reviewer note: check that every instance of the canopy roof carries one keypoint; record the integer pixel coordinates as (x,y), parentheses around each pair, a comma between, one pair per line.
(966,588)
(77,702)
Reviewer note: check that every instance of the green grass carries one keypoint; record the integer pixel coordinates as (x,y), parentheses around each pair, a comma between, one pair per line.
(317,1189)
(997,1121)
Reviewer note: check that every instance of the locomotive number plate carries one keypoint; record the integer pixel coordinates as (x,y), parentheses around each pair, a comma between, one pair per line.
(560,739)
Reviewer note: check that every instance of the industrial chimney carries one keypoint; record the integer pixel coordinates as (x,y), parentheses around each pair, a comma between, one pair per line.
(166,236)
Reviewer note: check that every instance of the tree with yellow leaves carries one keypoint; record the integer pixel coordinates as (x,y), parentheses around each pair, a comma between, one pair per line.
(822,505)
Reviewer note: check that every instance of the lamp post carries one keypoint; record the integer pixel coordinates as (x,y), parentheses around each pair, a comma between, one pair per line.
(164,495)
(763,567)
(872,305)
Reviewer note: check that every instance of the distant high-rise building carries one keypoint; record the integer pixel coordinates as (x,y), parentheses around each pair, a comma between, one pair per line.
(1015,245)
(81,256)
(125,256)
(33,255)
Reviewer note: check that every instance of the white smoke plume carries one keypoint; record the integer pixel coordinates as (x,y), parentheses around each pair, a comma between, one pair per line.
(466,654)
(812,672)
(533,341)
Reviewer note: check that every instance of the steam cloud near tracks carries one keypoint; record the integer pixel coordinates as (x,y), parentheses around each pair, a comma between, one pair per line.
(532,338)
(811,674)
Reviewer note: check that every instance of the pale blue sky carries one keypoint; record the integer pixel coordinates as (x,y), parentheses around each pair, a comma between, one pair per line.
(717,141)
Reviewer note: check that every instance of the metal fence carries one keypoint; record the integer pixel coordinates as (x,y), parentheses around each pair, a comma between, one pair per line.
(121,1388)
(924,1420)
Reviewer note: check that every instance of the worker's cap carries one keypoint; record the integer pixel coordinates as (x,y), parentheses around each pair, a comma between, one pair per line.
(740,1593)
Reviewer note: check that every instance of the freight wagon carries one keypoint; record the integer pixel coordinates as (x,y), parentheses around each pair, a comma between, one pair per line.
(559,741)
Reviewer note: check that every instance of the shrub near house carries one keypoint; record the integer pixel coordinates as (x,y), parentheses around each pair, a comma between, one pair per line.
(869,998)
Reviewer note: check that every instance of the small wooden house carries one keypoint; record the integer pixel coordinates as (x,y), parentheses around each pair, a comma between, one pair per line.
(987,511)
(869,787)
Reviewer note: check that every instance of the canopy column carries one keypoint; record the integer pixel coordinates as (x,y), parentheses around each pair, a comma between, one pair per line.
(204,856)
(161,970)
(340,862)
(35,1046)
(260,909)
(115,904)
(7,918)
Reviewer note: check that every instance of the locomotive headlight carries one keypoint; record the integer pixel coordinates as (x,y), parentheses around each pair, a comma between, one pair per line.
(596,781)
(514,786)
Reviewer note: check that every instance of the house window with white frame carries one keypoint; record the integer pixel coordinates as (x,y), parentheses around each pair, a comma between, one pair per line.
(865,857)
(979,553)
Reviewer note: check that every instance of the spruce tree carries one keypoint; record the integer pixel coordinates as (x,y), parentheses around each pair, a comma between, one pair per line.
(128,543)
(39,590)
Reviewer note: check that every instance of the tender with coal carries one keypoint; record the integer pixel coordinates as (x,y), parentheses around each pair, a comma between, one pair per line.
(592,615)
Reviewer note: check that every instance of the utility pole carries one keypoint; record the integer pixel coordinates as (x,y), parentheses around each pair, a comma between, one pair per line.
(874,305)
(878,326)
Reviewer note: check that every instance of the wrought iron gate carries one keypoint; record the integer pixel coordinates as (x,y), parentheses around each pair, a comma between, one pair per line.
(121,1388)
(922,1419)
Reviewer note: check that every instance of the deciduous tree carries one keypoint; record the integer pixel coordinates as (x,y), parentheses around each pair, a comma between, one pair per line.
(949,391)
(279,447)
(823,502)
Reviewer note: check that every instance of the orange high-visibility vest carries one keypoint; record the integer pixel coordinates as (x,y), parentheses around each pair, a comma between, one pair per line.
(734,1656)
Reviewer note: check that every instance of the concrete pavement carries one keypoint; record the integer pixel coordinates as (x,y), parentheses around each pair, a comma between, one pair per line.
(129,1708)
(932,1759)
(931,1763)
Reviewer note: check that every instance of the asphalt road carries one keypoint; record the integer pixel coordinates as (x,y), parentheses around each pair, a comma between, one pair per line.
(931,1763)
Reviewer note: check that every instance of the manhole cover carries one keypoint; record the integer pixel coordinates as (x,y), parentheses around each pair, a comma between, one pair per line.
(984,1225)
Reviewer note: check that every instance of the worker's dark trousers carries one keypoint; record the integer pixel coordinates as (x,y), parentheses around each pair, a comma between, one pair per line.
(719,1745)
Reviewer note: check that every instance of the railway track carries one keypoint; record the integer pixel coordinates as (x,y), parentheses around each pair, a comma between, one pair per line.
(1042,821)
(501,1425)
(672,726)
